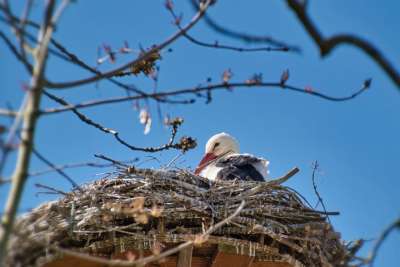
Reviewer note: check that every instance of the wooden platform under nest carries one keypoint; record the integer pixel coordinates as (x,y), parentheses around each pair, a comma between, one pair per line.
(207,255)
(137,213)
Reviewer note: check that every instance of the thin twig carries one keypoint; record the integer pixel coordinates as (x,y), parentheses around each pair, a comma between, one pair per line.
(4,180)
(75,59)
(87,120)
(63,54)
(200,89)
(385,233)
(51,189)
(196,90)
(13,132)
(248,38)
(18,26)
(327,45)
(144,56)
(67,166)
(21,28)
(54,167)
(113,161)
(77,165)
(320,200)
(8,113)
(216,45)
(14,50)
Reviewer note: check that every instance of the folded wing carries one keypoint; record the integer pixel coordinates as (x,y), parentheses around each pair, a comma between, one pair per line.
(243,167)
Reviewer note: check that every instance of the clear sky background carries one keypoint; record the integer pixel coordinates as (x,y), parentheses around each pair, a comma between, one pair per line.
(355,142)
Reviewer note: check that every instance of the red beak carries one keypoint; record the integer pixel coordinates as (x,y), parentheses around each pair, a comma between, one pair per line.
(204,162)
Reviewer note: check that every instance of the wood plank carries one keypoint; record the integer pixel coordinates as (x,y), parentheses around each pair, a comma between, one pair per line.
(67,261)
(223,259)
(200,262)
(270,264)
(185,257)
(172,261)
(166,262)
(200,257)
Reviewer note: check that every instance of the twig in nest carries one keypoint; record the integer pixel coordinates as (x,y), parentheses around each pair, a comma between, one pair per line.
(113,161)
(143,261)
(284,178)
(51,189)
(315,168)
(78,165)
(263,185)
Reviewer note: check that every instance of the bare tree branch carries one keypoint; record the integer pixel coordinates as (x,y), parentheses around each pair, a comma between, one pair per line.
(248,38)
(12,133)
(46,45)
(184,144)
(8,113)
(29,124)
(207,88)
(31,37)
(63,53)
(75,59)
(78,165)
(7,150)
(21,29)
(70,166)
(13,20)
(326,45)
(162,96)
(14,50)
(51,165)
(216,45)
(202,9)
(234,48)
(385,233)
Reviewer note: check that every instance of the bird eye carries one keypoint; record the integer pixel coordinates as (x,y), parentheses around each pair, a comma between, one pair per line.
(215,146)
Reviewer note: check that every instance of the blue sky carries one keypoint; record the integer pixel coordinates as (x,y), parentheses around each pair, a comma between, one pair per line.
(355,142)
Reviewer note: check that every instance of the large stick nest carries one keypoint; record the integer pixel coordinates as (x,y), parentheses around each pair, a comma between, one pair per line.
(146,209)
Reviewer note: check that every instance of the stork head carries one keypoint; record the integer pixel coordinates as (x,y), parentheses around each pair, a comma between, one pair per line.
(218,146)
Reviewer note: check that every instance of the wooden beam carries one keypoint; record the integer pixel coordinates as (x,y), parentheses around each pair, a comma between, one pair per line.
(185,257)
(67,261)
(223,259)
(270,264)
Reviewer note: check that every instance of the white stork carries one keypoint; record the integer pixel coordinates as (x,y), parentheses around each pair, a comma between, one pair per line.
(223,161)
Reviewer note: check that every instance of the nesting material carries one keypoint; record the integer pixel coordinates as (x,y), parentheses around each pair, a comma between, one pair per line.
(152,210)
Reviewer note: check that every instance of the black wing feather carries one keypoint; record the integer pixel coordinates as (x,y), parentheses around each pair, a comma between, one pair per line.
(239,167)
